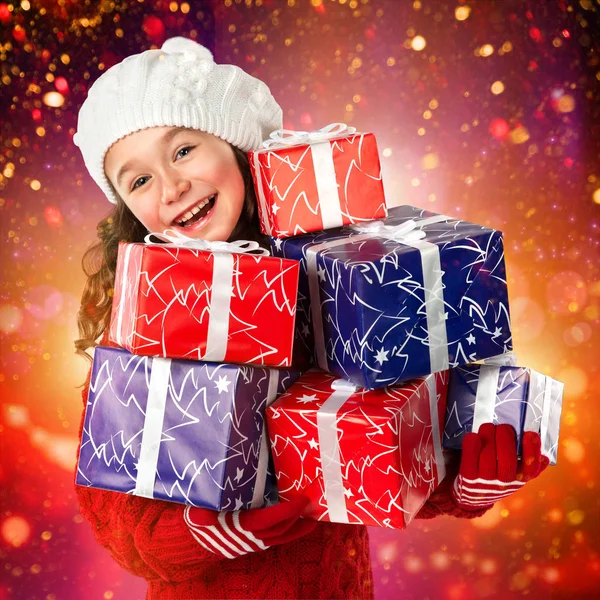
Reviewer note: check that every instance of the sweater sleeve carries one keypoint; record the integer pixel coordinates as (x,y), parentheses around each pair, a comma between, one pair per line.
(440,502)
(148,538)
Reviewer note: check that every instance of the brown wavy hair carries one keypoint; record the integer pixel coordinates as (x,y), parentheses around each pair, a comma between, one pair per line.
(100,259)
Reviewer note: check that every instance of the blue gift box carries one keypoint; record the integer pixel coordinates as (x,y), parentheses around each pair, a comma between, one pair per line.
(378,306)
(179,430)
(517,396)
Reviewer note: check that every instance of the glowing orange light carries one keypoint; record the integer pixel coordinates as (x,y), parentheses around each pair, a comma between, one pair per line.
(15,531)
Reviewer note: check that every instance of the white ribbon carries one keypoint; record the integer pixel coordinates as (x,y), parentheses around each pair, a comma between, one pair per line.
(323,165)
(329,449)
(218,324)
(258,496)
(176,238)
(438,453)
(153,424)
(410,234)
(485,397)
(284,138)
(544,405)
(220,301)
(119,338)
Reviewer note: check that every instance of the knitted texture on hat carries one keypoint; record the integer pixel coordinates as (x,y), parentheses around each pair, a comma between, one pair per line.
(179,85)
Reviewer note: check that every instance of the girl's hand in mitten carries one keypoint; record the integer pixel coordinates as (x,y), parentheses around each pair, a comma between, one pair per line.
(490,469)
(233,534)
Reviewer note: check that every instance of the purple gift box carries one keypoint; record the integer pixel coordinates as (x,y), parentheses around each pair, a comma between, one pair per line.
(179,430)
(517,396)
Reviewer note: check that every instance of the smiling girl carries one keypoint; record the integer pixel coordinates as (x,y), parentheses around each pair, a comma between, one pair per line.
(165,134)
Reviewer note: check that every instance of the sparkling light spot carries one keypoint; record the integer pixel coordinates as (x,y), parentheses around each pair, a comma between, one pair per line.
(430,161)
(573,450)
(497,87)
(575,380)
(53,99)
(16,531)
(35,185)
(486,50)
(566,104)
(519,135)
(461,13)
(418,43)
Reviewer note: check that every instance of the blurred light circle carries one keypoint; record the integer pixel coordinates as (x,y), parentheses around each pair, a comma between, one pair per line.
(15,531)
(575,380)
(517,282)
(566,293)
(578,334)
(387,552)
(527,318)
(53,99)
(418,43)
(439,560)
(14,363)
(490,519)
(573,450)
(43,302)
(499,128)
(16,416)
(413,564)
(10,318)
(68,311)
(33,328)
(551,575)
(488,566)
(520,580)
(555,515)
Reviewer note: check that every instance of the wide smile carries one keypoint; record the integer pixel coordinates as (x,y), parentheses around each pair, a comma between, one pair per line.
(197,215)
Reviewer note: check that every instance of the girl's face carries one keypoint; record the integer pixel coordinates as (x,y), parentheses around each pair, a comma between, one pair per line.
(177,178)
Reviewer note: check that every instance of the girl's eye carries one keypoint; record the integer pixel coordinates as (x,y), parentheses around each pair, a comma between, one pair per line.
(186,150)
(139,182)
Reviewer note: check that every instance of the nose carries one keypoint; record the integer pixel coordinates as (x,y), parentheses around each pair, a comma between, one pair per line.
(174,186)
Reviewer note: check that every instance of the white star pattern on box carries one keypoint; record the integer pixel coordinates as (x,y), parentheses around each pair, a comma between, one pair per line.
(115,421)
(382,356)
(275,208)
(223,384)
(375,304)
(387,466)
(306,399)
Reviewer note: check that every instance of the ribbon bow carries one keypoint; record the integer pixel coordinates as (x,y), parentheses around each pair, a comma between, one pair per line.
(288,137)
(171,236)
(408,231)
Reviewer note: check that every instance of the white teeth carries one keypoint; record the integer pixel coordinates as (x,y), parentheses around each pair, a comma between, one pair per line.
(194,210)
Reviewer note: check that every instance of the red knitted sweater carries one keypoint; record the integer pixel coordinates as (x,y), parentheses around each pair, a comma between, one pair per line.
(150,539)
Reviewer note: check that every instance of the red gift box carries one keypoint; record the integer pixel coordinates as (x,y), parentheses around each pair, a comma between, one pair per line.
(309,182)
(178,302)
(370,457)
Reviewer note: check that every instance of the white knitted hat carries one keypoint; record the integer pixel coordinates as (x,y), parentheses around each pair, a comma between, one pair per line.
(179,85)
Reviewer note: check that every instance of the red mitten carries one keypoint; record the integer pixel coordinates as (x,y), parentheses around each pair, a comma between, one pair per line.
(233,534)
(489,467)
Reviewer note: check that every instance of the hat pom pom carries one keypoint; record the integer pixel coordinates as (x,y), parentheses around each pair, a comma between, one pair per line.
(179,44)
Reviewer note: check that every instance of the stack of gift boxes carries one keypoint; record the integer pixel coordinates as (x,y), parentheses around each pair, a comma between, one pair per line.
(393,309)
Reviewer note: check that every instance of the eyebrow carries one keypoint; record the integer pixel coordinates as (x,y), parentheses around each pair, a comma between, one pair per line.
(163,141)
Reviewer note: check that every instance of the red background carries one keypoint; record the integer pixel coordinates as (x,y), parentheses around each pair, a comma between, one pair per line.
(487,110)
